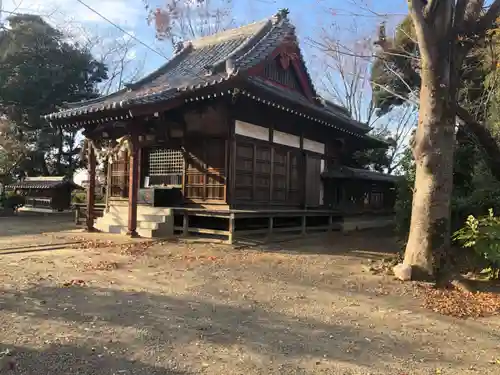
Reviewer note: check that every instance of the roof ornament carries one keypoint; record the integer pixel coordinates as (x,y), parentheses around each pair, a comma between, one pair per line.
(230,66)
(282,14)
(209,70)
(179,46)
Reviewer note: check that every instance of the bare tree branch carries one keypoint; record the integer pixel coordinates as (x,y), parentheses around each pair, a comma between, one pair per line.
(486,21)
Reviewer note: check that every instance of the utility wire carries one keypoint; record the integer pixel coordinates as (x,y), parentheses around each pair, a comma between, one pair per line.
(122,29)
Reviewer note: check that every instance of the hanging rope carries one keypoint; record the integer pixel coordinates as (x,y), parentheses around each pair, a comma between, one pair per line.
(109,152)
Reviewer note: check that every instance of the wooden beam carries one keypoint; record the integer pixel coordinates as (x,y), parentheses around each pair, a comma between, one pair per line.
(91,188)
(133,188)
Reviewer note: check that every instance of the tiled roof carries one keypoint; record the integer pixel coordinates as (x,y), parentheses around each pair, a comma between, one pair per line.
(45,182)
(360,174)
(209,61)
(200,63)
(298,98)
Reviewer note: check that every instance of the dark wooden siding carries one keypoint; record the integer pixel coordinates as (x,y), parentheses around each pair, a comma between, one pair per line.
(267,174)
(205,169)
(313,180)
(275,73)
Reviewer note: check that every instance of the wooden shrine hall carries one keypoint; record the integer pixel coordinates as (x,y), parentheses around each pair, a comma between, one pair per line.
(228,137)
(45,193)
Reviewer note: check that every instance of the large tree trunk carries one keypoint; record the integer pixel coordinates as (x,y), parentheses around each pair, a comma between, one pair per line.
(429,238)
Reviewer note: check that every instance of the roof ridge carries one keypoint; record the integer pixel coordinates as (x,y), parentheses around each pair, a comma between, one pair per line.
(274,25)
(198,41)
(254,39)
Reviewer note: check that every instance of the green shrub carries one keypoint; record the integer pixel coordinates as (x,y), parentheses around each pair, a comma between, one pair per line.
(13,202)
(78,197)
(81,197)
(482,234)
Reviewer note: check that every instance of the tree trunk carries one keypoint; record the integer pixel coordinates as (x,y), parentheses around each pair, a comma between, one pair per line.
(429,238)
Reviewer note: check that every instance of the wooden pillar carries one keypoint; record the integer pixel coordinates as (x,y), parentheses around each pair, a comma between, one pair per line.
(91,189)
(185,224)
(270,227)
(231,229)
(133,186)
(108,183)
(303,225)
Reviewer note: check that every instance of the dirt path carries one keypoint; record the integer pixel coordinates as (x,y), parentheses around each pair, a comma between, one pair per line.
(198,308)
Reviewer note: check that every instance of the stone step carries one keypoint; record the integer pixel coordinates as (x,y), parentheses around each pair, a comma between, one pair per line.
(123,219)
(140,224)
(142,210)
(146,229)
(153,233)
(149,225)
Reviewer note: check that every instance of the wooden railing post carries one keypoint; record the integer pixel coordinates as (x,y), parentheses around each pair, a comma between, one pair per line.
(77,215)
(185,224)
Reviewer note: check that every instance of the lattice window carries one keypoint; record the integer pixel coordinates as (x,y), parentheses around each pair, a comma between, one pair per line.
(120,176)
(166,167)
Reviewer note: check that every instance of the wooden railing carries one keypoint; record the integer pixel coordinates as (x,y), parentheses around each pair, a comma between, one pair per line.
(80,210)
(38,202)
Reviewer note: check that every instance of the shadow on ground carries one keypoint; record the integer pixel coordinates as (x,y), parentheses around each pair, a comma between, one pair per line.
(33,224)
(68,359)
(366,244)
(172,321)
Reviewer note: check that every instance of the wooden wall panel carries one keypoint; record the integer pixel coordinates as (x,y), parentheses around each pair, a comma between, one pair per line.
(205,169)
(313,180)
(267,174)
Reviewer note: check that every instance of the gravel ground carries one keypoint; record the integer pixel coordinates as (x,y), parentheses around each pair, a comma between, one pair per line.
(181,308)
